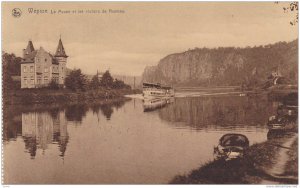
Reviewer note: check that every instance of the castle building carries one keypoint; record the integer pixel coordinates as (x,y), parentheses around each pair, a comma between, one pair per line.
(39,68)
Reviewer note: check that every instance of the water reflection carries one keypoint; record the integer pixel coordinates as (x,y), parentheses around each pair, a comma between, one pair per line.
(107,108)
(41,129)
(156,103)
(48,125)
(216,112)
(120,143)
(76,112)
(12,126)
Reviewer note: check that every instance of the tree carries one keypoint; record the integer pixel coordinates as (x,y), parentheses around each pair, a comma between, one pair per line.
(10,66)
(107,80)
(12,63)
(95,83)
(76,80)
(119,84)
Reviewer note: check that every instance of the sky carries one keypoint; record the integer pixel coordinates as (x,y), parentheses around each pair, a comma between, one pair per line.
(138,34)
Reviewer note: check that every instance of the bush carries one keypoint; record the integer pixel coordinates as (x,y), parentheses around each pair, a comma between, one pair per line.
(53,85)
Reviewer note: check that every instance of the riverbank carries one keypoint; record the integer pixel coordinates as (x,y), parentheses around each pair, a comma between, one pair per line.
(48,96)
(254,168)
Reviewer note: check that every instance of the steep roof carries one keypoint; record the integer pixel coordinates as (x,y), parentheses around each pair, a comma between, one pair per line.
(60,51)
(30,47)
(29,58)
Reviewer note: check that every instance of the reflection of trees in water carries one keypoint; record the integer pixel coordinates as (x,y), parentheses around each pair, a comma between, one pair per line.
(12,115)
(62,141)
(30,146)
(107,111)
(12,128)
(206,112)
(12,124)
(107,108)
(76,112)
(43,126)
(54,112)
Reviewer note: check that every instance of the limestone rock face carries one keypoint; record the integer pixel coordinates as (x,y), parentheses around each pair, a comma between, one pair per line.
(225,66)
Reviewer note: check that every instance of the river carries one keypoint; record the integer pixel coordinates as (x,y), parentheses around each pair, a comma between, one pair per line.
(121,142)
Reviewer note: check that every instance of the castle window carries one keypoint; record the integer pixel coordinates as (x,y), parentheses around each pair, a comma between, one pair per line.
(25,80)
(31,68)
(45,59)
(32,81)
(46,78)
(24,69)
(46,69)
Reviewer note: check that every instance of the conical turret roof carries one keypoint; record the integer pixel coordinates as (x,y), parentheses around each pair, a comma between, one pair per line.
(30,47)
(60,51)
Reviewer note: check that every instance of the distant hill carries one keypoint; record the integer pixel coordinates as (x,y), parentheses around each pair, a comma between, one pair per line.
(226,65)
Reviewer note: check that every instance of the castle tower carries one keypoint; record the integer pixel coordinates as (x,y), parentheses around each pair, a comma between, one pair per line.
(29,49)
(61,58)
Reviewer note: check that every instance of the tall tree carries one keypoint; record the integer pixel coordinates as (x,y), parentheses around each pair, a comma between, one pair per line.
(95,83)
(10,66)
(76,80)
(107,80)
(11,63)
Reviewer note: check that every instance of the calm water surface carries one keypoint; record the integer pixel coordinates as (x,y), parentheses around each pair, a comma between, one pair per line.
(121,142)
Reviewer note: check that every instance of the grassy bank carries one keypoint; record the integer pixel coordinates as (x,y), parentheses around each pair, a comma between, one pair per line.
(47,96)
(252,169)
(291,168)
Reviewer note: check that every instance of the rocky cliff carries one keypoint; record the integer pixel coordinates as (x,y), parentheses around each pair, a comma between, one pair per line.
(226,66)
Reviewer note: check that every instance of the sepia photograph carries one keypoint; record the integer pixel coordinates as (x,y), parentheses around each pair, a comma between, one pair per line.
(150,93)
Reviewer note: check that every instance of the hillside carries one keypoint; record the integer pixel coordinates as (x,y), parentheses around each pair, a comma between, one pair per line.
(226,66)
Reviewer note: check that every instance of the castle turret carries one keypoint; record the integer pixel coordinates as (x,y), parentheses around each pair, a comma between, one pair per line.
(61,58)
(60,51)
(29,49)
